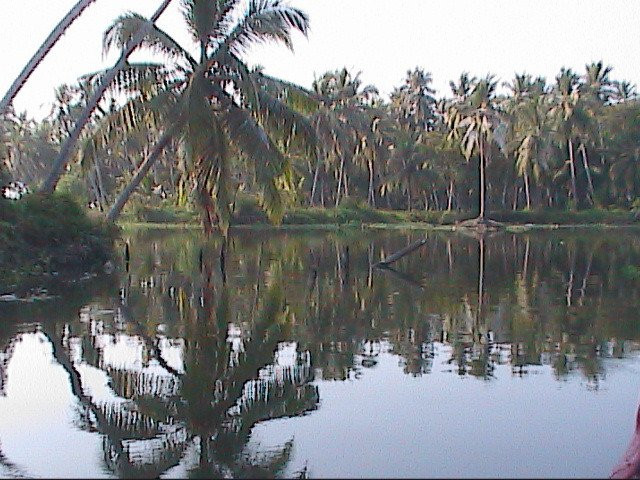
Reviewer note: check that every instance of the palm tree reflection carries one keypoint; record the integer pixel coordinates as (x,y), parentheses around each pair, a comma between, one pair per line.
(229,381)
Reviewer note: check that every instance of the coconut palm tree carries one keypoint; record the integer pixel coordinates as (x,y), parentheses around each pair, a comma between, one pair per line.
(133,41)
(214,104)
(527,110)
(344,120)
(413,103)
(473,122)
(46,46)
(565,100)
(623,91)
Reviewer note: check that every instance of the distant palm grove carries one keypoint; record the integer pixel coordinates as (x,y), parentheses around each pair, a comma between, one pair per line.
(206,130)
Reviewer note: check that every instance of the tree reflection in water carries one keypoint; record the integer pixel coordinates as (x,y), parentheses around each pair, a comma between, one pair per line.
(195,348)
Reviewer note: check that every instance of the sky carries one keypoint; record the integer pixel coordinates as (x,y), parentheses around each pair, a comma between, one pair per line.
(380,38)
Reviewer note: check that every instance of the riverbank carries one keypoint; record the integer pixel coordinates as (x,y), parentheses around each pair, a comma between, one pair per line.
(354,215)
(46,237)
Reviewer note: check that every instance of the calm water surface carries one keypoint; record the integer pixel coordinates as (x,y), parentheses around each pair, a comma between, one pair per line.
(292,355)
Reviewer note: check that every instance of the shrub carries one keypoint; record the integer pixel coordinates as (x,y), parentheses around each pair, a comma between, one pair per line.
(41,234)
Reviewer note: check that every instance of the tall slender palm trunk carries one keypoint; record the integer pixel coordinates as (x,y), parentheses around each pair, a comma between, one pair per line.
(42,52)
(371,198)
(483,186)
(65,151)
(526,190)
(572,167)
(314,186)
(450,196)
(585,163)
(340,181)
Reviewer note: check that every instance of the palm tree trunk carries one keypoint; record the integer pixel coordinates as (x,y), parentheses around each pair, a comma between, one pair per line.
(42,52)
(340,175)
(526,190)
(482,215)
(450,196)
(372,199)
(100,180)
(65,151)
(572,167)
(315,181)
(585,162)
(120,202)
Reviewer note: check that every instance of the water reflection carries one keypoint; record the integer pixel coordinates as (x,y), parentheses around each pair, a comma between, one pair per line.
(197,342)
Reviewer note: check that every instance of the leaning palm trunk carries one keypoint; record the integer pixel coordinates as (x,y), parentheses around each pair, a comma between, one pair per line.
(65,152)
(42,52)
(122,199)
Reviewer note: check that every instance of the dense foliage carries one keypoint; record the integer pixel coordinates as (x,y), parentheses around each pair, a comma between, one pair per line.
(210,131)
(51,235)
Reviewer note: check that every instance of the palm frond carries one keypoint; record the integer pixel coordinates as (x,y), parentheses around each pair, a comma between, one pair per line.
(287,124)
(265,20)
(124,28)
(273,171)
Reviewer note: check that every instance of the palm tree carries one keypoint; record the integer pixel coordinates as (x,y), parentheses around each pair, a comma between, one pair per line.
(133,40)
(623,91)
(37,58)
(529,133)
(565,101)
(477,119)
(463,88)
(215,105)
(597,91)
(345,118)
(413,103)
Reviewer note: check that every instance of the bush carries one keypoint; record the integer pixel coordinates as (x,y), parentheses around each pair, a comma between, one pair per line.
(247,210)
(46,234)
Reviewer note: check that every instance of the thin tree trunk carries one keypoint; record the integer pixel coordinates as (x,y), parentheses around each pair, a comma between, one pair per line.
(340,174)
(526,190)
(450,196)
(103,196)
(315,181)
(65,151)
(585,162)
(481,215)
(42,52)
(504,195)
(572,167)
(372,200)
(120,202)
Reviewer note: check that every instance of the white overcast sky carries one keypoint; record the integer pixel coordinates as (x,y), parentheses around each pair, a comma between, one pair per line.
(381,38)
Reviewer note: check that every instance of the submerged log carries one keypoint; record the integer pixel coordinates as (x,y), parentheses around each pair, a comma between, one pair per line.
(401,253)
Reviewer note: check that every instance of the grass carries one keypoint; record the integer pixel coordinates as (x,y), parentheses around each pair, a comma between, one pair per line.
(354,214)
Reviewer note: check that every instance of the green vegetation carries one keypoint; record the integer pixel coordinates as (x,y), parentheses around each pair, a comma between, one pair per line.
(247,212)
(214,138)
(50,235)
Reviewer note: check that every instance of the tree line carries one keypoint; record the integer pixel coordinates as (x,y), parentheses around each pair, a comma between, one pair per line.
(211,131)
